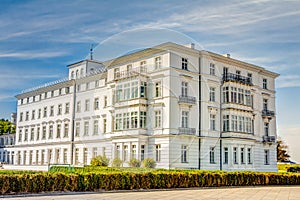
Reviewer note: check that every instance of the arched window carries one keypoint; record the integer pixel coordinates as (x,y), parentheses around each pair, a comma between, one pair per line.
(77,73)
(72,75)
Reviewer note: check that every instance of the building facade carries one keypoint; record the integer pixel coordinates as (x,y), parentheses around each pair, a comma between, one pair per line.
(182,107)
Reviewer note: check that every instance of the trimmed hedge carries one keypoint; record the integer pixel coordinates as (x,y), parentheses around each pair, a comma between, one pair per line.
(47,182)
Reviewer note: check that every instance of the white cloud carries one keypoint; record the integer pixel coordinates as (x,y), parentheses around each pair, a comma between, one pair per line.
(32,54)
(288,81)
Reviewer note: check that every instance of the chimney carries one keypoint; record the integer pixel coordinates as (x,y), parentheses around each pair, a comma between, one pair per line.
(227,55)
(190,45)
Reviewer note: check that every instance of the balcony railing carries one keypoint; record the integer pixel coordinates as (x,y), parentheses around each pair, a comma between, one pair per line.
(269,139)
(130,73)
(267,113)
(187,99)
(186,131)
(237,78)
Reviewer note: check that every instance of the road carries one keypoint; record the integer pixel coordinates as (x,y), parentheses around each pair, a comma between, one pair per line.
(240,193)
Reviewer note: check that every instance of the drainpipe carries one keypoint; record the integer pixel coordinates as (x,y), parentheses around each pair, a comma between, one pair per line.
(73,122)
(221,145)
(200,90)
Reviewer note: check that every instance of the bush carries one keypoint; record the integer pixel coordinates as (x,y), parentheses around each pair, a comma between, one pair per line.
(100,161)
(134,162)
(149,163)
(117,162)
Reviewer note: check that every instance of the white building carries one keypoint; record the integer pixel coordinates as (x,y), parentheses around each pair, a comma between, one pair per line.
(183,107)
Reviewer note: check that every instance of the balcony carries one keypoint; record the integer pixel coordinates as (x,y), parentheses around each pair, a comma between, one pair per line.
(237,78)
(130,73)
(269,139)
(186,100)
(186,131)
(267,113)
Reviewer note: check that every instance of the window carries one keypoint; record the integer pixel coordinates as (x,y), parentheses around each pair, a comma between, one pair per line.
(143,65)
(38,133)
(85,154)
(265,83)
(66,130)
(78,88)
(51,111)
(184,63)
(248,97)
(59,109)
(27,116)
(39,113)
(86,128)
(30,157)
(235,161)
(184,89)
(157,62)
(142,152)
(117,73)
(95,152)
(96,83)
(184,119)
(26,135)
(33,115)
(65,156)
(96,127)
(212,95)
(57,156)
(240,96)
(59,91)
(184,153)
(45,95)
(51,132)
(226,123)
(67,108)
(125,153)
(76,156)
(143,91)
(212,69)
(129,68)
(266,128)
(67,90)
(143,119)
(58,130)
(265,104)
(105,101)
(52,93)
(134,119)
(212,122)
(157,152)
(225,155)
(32,134)
(21,117)
(104,125)
(233,95)
(249,75)
(267,158)
(238,72)
(87,105)
(78,106)
(96,104)
(225,71)
(157,89)
(126,121)
(117,151)
(77,129)
(249,156)
(133,151)
(212,155)
(118,123)
(242,155)
(234,123)
(87,86)
(157,120)
(44,133)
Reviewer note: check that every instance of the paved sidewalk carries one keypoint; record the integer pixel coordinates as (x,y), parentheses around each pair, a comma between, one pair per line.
(243,193)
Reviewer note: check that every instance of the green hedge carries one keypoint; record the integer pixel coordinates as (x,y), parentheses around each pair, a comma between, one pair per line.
(93,181)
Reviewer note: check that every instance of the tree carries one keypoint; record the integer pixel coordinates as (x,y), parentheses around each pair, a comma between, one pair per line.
(282,155)
(6,127)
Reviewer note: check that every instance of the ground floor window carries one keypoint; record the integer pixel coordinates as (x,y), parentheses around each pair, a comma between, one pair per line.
(157,152)
(267,157)
(184,153)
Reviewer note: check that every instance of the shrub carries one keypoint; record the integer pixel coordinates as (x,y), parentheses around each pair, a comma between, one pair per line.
(134,162)
(117,162)
(149,163)
(100,161)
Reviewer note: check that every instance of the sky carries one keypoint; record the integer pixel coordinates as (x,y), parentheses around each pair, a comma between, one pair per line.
(38,39)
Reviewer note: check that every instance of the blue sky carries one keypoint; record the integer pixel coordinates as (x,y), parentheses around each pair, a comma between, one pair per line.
(39,38)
